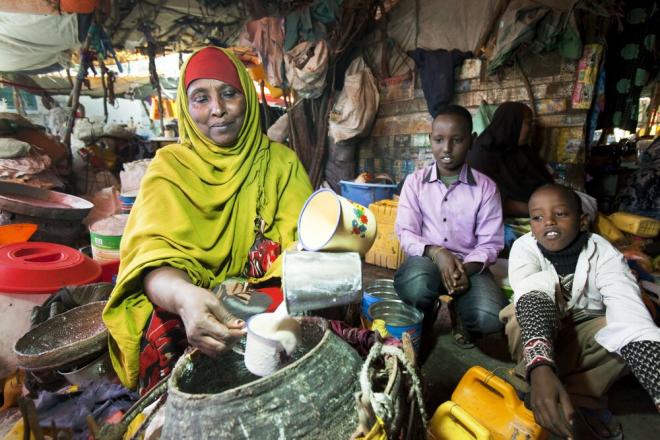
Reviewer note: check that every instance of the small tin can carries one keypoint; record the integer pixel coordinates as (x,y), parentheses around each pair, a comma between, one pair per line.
(398,318)
(374,291)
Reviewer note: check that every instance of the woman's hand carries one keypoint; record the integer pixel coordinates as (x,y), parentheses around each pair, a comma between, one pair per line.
(209,326)
(551,404)
(451,268)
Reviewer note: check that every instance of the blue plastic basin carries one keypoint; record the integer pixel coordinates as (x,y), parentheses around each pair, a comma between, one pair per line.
(366,193)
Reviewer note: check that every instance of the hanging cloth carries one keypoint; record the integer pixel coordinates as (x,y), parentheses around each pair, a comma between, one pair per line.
(630,64)
(437,72)
(267,37)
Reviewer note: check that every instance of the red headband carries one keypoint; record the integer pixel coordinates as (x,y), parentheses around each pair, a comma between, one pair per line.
(212,63)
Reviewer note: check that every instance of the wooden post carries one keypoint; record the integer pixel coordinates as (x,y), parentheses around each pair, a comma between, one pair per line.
(292,132)
(153,73)
(18,101)
(160,110)
(105,91)
(264,106)
(75,97)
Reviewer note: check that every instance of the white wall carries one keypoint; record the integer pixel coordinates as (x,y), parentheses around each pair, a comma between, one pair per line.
(120,113)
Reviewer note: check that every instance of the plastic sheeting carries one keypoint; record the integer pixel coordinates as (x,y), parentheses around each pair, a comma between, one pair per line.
(31,42)
(447,24)
(443,24)
(538,28)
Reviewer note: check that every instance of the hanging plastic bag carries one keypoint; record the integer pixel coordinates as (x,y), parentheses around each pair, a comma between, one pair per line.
(306,67)
(131,176)
(86,130)
(357,104)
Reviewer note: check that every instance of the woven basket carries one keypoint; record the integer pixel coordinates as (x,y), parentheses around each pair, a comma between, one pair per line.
(310,398)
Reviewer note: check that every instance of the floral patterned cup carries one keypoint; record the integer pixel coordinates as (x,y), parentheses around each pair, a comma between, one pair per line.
(330,222)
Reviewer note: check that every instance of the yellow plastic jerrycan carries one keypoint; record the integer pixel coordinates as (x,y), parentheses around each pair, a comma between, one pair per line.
(451,422)
(493,402)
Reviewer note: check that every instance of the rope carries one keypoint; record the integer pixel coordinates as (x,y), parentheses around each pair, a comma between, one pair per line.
(382,403)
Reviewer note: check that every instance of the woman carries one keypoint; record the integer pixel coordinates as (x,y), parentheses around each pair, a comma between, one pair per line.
(503,153)
(193,223)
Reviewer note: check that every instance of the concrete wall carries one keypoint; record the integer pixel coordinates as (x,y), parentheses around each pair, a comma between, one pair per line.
(399,142)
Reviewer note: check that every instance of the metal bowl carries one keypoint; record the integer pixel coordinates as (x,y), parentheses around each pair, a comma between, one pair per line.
(395,313)
(379,285)
(99,368)
(63,339)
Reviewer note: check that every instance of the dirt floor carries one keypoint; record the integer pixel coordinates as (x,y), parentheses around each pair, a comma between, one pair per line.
(447,363)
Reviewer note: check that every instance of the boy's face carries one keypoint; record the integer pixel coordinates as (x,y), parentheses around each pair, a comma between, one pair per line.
(450,142)
(554,219)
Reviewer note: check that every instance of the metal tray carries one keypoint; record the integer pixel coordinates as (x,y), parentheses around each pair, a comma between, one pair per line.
(63,339)
(37,202)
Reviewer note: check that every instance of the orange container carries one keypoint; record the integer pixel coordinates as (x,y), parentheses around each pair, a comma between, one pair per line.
(493,402)
(451,422)
(78,6)
(16,233)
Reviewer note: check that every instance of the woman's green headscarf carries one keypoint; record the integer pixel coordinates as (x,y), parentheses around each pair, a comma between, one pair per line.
(195,211)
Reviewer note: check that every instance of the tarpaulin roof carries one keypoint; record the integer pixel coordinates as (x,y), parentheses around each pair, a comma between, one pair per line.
(137,87)
(32,42)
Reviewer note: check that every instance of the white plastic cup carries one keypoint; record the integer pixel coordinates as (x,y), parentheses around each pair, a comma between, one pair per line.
(270,340)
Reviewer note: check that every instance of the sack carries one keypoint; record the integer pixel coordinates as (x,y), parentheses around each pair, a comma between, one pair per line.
(87,131)
(106,204)
(357,104)
(132,175)
(279,131)
(306,67)
(11,148)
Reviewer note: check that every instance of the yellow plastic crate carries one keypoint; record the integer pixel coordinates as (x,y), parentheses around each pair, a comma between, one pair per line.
(636,224)
(386,251)
(385,211)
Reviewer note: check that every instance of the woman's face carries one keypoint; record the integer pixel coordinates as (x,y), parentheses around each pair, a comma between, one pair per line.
(217,108)
(526,127)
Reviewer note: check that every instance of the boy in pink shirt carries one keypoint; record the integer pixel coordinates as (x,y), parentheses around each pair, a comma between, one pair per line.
(449,223)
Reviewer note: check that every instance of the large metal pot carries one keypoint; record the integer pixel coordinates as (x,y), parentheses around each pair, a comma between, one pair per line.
(310,398)
(57,214)
(95,371)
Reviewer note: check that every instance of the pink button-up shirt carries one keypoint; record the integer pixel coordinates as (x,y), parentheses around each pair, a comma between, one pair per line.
(465,218)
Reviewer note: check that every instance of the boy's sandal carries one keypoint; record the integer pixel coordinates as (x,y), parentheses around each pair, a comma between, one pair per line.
(601,423)
(460,339)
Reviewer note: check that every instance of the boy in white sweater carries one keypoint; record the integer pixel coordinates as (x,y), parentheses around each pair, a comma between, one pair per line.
(578,319)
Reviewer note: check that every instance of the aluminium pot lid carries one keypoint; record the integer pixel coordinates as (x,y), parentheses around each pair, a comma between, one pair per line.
(36,267)
(42,203)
